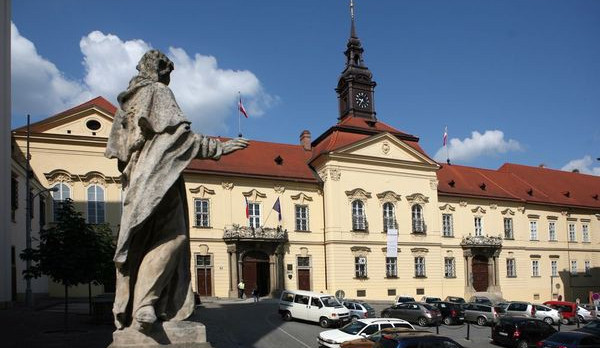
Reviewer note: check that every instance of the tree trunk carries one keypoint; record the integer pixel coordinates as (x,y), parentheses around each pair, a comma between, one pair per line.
(66,308)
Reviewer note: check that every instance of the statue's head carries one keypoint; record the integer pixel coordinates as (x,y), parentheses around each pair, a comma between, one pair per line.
(155,66)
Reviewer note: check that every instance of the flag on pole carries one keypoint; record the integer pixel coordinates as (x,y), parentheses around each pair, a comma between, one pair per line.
(247,212)
(277,208)
(241,107)
(445,135)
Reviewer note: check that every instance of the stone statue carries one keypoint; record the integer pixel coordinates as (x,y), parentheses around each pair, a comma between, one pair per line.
(153,143)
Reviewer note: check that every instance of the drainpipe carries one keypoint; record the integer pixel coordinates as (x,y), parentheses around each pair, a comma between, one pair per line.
(324,238)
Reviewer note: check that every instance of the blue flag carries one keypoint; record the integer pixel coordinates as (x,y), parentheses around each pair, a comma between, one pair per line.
(277,208)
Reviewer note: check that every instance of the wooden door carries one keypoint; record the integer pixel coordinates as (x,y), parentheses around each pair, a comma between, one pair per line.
(480,273)
(249,276)
(304,279)
(204,280)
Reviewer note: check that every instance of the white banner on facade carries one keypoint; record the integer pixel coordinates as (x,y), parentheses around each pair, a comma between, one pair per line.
(392,242)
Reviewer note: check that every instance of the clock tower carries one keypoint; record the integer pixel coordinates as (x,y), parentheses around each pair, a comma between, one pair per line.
(355,88)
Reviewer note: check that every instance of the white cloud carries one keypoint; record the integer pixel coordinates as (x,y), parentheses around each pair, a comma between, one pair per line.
(206,93)
(584,165)
(490,143)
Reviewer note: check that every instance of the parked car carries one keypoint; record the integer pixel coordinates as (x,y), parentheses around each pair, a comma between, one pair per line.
(520,332)
(455,299)
(481,300)
(371,341)
(415,312)
(595,310)
(312,306)
(406,339)
(452,313)
(568,310)
(430,299)
(570,339)
(482,314)
(359,309)
(592,327)
(547,314)
(518,309)
(585,315)
(404,299)
(357,329)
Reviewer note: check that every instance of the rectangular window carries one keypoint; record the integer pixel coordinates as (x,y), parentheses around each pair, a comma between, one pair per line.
(447,228)
(572,237)
(535,268)
(303,262)
(508,228)
(511,268)
(254,215)
(449,267)
(95,204)
(419,266)
(574,267)
(533,233)
(554,267)
(585,232)
(391,269)
(202,212)
(203,261)
(301,217)
(552,230)
(478,226)
(588,267)
(360,267)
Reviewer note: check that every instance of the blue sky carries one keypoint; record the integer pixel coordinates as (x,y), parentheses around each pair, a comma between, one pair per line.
(514,81)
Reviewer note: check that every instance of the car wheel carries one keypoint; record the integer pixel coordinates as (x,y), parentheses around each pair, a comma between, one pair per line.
(549,320)
(481,321)
(354,318)
(287,316)
(522,344)
(324,322)
(581,320)
(448,321)
(565,322)
(386,315)
(422,321)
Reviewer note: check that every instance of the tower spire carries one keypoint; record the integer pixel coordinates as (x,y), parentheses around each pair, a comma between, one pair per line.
(352,28)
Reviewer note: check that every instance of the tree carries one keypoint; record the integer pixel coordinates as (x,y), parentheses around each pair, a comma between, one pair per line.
(72,252)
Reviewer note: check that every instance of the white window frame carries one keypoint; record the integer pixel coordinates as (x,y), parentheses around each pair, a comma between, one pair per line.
(573,267)
(420,270)
(533,230)
(418,221)
(554,268)
(391,267)
(511,268)
(96,204)
(478,225)
(301,214)
(447,225)
(572,232)
(535,268)
(63,193)
(585,233)
(389,216)
(360,267)
(202,218)
(508,228)
(552,230)
(254,214)
(449,267)
(359,219)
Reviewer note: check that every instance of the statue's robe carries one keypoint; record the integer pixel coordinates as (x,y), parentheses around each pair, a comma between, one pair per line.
(153,143)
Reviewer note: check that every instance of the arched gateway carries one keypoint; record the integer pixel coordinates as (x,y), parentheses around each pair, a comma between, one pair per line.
(481,264)
(256,256)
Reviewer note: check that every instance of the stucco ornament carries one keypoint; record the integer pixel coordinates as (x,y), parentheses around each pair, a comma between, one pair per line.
(152,142)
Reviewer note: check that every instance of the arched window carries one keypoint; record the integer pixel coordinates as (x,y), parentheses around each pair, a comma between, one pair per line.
(359,221)
(62,193)
(418,223)
(95,204)
(389,217)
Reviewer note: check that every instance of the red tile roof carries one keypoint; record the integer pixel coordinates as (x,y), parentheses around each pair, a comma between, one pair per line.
(521,183)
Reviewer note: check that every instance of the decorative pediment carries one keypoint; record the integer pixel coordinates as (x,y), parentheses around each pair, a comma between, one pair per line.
(388,196)
(254,195)
(384,250)
(301,198)
(358,193)
(507,211)
(447,208)
(417,198)
(360,251)
(533,216)
(93,178)
(552,217)
(535,256)
(585,220)
(478,210)
(203,249)
(419,251)
(59,175)
(202,191)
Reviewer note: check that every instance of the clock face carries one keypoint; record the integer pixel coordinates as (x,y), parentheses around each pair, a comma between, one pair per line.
(362,100)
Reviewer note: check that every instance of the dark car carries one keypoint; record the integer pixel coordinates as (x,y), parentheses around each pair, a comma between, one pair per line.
(452,313)
(415,339)
(520,332)
(571,339)
(455,299)
(415,312)
(592,327)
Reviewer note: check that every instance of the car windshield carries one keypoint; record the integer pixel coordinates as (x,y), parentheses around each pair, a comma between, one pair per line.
(330,301)
(353,328)
(367,306)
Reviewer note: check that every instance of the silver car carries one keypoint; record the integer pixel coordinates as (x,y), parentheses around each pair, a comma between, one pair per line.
(547,314)
(482,314)
(359,310)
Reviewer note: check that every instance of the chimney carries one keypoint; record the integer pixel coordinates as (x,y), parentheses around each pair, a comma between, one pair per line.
(305,140)
(575,170)
(542,165)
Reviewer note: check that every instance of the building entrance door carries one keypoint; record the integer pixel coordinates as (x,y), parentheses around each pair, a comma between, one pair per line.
(304,279)
(480,273)
(255,272)
(204,281)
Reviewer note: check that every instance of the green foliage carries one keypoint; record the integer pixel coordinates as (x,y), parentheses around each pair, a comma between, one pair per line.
(72,252)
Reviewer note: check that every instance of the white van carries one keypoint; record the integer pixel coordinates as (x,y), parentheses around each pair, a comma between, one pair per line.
(312,306)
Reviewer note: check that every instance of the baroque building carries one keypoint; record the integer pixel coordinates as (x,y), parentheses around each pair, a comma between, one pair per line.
(362,208)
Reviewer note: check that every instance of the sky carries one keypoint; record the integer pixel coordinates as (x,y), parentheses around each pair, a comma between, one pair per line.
(513,81)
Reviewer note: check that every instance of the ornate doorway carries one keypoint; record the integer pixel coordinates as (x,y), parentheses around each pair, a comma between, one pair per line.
(255,272)
(480,273)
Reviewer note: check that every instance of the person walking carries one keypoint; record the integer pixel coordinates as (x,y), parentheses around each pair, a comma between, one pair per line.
(255,294)
(241,287)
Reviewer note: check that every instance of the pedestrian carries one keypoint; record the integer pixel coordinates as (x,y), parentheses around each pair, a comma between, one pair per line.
(255,294)
(241,287)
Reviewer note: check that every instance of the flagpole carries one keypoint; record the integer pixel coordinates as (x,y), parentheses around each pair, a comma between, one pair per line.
(239,115)
(446,145)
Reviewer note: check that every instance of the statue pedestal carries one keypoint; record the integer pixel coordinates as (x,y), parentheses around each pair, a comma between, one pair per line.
(181,334)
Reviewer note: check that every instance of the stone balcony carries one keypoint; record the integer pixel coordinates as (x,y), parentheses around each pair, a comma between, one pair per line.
(263,234)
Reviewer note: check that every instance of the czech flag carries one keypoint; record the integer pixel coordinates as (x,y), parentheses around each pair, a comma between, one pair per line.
(445,136)
(247,212)
(241,108)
